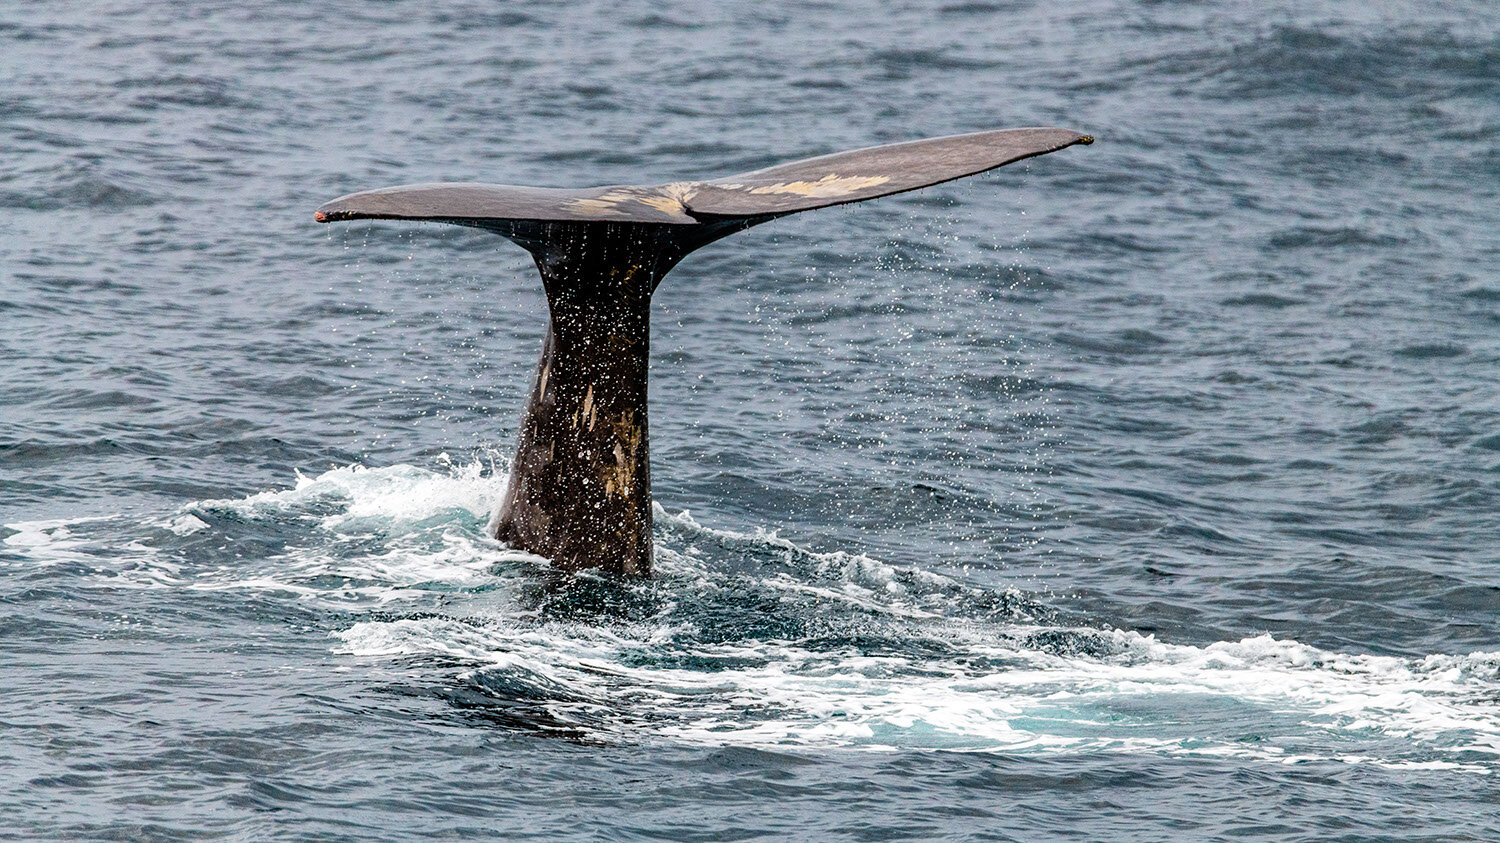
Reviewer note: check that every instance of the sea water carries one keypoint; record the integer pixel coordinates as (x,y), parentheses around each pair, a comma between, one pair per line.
(1148,490)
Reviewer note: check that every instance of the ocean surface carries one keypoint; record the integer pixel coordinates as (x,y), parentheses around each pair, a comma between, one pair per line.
(1144,491)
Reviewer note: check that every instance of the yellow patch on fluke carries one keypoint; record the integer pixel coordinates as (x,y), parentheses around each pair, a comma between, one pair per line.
(602,205)
(682,191)
(667,199)
(830,186)
(665,204)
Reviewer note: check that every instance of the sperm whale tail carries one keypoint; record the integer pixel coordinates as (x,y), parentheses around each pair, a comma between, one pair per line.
(580,485)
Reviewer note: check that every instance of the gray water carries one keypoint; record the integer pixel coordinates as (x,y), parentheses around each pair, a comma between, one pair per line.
(1143,491)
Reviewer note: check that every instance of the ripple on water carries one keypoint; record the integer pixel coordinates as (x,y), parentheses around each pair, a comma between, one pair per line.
(1121,484)
(748,640)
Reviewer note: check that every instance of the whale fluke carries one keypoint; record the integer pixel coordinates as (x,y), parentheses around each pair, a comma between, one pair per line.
(804,185)
(467,203)
(870,173)
(580,489)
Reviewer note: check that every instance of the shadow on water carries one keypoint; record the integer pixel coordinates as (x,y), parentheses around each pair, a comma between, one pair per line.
(589,597)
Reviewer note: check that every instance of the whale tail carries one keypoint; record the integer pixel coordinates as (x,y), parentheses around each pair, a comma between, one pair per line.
(580,488)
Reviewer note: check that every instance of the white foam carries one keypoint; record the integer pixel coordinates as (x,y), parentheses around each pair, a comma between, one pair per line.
(426,522)
(37,533)
(394,495)
(185,524)
(371,536)
(49,542)
(853,578)
(1258,698)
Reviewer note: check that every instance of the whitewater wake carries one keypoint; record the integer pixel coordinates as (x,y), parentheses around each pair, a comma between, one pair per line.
(748,639)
